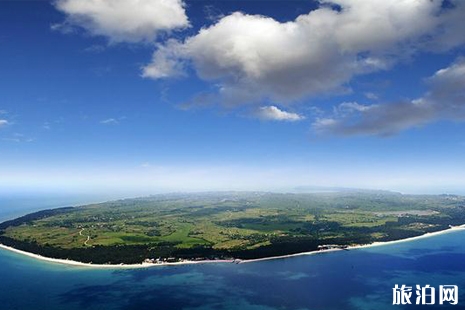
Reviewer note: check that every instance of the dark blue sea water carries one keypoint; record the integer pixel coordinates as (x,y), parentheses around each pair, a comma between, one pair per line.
(355,279)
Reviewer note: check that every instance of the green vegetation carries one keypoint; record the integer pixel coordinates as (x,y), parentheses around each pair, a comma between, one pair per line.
(227,224)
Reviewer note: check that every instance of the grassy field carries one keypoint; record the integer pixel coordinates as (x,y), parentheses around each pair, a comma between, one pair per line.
(229,223)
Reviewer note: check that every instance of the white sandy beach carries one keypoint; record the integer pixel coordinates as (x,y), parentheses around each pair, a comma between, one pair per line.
(114,266)
(427,235)
(189,262)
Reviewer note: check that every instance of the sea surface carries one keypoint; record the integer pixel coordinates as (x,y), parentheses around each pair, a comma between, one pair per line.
(354,279)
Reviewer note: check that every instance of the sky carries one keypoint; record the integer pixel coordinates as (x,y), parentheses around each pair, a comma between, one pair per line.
(135,97)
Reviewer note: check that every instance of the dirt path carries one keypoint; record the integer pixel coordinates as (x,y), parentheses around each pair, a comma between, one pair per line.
(88,237)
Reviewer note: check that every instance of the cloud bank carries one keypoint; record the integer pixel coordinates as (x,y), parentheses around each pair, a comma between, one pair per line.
(445,100)
(252,58)
(124,20)
(3,122)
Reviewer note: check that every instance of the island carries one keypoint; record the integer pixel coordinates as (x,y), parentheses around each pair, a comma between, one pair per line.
(233,226)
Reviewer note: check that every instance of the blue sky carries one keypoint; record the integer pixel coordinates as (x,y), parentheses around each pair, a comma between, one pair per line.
(147,96)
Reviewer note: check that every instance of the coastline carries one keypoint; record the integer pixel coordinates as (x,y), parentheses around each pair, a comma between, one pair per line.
(361,246)
(427,235)
(108,266)
(190,262)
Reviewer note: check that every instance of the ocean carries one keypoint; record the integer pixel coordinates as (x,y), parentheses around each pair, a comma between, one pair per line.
(355,279)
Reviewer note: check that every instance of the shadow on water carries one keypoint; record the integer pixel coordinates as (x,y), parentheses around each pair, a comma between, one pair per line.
(329,281)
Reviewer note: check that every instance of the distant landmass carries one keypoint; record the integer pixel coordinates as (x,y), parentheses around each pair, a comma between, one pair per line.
(225,225)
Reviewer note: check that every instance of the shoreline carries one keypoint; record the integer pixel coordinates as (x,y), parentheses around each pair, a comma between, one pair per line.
(426,235)
(241,261)
(360,246)
(110,266)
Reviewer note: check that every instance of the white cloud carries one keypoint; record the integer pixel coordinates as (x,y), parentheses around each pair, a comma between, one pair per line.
(450,32)
(124,20)
(273,113)
(109,121)
(46,126)
(146,165)
(18,138)
(444,101)
(371,96)
(348,107)
(166,62)
(96,48)
(252,58)
(3,122)
(322,124)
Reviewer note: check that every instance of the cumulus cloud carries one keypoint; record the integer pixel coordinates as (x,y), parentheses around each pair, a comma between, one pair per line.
(3,122)
(371,96)
(166,62)
(109,121)
(123,20)
(252,58)
(450,32)
(273,113)
(445,100)
(348,107)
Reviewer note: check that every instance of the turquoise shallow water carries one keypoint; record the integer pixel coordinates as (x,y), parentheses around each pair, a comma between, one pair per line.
(355,279)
